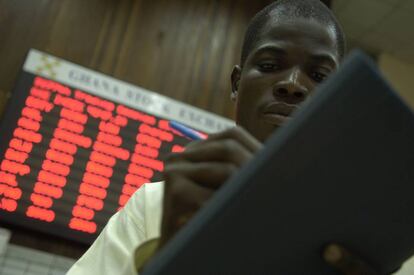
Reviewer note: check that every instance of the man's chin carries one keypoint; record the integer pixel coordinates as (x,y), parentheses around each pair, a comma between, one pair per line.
(259,129)
(264,132)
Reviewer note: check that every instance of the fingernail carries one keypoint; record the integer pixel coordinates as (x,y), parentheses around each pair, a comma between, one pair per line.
(332,253)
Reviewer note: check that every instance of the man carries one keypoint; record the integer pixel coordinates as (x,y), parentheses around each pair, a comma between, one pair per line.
(290,47)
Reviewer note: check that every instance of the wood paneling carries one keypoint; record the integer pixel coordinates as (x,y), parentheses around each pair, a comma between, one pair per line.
(184,49)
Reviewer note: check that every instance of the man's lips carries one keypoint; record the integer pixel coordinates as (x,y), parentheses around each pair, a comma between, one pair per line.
(278,113)
(279,108)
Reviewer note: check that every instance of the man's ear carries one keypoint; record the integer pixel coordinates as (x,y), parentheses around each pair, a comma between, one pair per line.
(235,80)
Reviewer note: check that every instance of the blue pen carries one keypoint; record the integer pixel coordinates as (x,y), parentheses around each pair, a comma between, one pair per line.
(188,132)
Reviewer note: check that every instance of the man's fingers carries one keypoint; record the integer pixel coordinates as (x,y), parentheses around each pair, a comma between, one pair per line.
(228,150)
(234,145)
(345,262)
(182,202)
(207,174)
(192,176)
(240,135)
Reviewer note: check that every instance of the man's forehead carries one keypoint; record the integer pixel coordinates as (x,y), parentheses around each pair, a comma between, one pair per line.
(300,31)
(299,27)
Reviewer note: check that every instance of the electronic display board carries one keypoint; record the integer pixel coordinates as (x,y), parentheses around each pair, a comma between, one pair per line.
(76,144)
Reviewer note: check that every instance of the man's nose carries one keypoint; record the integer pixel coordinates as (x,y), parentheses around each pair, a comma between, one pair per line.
(291,88)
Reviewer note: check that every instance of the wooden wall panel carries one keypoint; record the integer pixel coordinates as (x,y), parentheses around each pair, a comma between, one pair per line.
(184,49)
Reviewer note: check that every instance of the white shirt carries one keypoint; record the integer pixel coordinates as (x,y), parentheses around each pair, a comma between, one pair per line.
(113,252)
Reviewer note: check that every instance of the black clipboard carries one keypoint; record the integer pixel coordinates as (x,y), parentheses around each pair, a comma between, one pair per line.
(341,171)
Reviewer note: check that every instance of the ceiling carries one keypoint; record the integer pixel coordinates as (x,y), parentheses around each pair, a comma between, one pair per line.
(379,25)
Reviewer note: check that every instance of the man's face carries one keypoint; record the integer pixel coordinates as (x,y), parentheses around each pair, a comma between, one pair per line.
(290,59)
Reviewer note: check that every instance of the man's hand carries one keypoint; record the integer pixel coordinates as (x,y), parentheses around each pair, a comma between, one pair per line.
(191,177)
(345,262)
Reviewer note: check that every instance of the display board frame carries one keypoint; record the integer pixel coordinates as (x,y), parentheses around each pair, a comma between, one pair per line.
(40,66)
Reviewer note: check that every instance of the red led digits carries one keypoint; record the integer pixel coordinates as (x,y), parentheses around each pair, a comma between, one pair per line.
(59,157)
(99,170)
(79,116)
(99,113)
(42,94)
(51,85)
(70,126)
(32,113)
(146,151)
(129,189)
(111,150)
(107,105)
(83,212)
(106,149)
(102,159)
(109,128)
(123,199)
(8,204)
(140,171)
(177,149)
(150,141)
(16,155)
(48,190)
(120,121)
(164,125)
(40,213)
(151,163)
(96,168)
(109,139)
(92,100)
(27,135)
(52,179)
(56,168)
(28,124)
(41,200)
(40,82)
(90,202)
(74,116)
(135,115)
(93,191)
(162,135)
(9,179)
(96,180)
(3,188)
(10,192)
(143,162)
(63,146)
(135,180)
(21,145)
(82,225)
(39,104)
(14,167)
(69,103)
(77,139)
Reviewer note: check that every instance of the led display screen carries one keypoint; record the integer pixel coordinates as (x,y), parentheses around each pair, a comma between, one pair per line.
(71,158)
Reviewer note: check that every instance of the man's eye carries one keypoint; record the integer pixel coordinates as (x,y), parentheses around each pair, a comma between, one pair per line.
(318,76)
(268,67)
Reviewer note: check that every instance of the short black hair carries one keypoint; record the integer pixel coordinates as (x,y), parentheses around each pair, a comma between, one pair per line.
(313,9)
